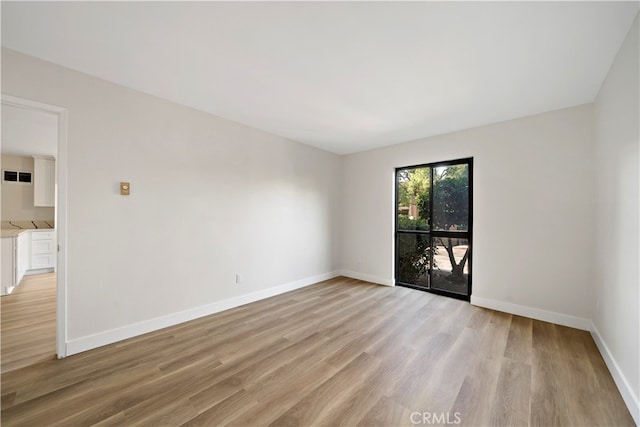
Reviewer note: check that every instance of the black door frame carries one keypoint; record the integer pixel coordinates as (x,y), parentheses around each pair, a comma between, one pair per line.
(437,233)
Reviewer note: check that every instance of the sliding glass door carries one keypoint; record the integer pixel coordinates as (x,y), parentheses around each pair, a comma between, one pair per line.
(433,227)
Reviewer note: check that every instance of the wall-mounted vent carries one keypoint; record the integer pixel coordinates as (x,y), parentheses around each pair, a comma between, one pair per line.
(17,177)
(10,176)
(24,177)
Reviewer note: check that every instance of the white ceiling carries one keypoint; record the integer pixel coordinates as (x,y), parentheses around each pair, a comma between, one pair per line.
(28,132)
(342,76)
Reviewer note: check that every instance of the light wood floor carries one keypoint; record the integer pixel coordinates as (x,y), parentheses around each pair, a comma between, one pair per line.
(338,353)
(28,328)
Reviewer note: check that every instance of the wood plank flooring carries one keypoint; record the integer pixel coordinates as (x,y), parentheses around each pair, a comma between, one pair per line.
(28,328)
(342,352)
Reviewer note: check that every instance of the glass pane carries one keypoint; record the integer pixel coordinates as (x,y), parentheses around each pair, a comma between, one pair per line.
(451,265)
(451,198)
(413,259)
(413,199)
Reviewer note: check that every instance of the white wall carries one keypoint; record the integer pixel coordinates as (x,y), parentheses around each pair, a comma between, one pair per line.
(28,132)
(616,305)
(209,198)
(533,223)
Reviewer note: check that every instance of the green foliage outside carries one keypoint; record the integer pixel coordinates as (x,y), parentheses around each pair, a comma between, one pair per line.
(451,206)
(411,184)
(404,223)
(413,258)
(450,212)
(413,250)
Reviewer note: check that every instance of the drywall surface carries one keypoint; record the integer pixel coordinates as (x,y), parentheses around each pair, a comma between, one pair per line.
(17,198)
(617,280)
(29,132)
(533,222)
(209,199)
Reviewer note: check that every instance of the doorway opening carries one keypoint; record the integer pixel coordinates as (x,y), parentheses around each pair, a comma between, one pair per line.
(39,245)
(433,227)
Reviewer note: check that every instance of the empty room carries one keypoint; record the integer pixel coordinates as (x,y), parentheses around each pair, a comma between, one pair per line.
(320,213)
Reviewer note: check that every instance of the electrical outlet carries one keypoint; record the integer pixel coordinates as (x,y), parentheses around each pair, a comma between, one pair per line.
(238,278)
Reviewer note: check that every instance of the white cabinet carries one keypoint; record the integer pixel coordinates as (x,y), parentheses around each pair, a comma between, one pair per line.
(43,249)
(23,255)
(44,182)
(15,260)
(8,275)
(30,252)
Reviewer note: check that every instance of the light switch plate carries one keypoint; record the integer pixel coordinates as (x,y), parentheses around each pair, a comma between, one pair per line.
(124,188)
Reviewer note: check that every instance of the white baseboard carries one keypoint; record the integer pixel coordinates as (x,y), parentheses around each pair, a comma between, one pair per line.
(114,335)
(366,277)
(629,397)
(533,313)
(79,345)
(39,271)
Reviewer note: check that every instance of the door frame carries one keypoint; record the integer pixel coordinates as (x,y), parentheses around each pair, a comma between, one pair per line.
(469,233)
(61,211)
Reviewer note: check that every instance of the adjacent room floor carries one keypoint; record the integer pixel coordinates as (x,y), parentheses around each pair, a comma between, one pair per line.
(342,352)
(29,322)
